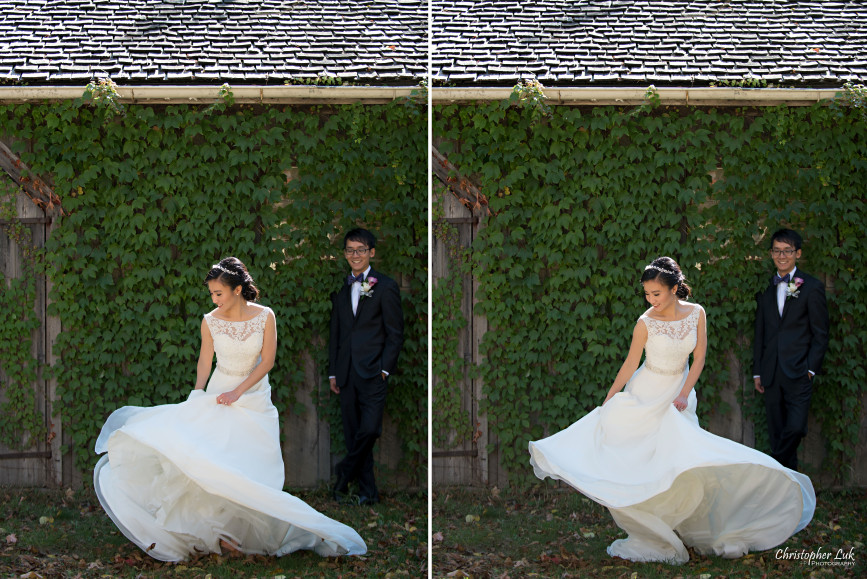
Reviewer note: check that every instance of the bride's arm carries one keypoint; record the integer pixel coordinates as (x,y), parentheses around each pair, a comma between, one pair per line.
(269,353)
(698,357)
(206,357)
(630,365)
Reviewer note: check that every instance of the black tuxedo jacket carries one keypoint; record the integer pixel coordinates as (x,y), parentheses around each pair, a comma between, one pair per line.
(372,338)
(798,339)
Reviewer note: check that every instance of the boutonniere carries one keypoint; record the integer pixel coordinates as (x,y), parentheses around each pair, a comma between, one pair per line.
(367,287)
(792,289)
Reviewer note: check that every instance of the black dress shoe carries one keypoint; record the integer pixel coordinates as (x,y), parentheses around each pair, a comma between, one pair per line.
(340,492)
(362,500)
(345,499)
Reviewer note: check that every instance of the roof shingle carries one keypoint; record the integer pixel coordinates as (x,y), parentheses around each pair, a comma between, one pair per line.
(638,42)
(184,41)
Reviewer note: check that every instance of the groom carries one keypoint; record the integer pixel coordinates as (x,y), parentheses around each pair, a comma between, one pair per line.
(366,338)
(791,339)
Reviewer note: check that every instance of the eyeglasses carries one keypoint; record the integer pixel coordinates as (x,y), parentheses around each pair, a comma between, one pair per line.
(351,252)
(782,252)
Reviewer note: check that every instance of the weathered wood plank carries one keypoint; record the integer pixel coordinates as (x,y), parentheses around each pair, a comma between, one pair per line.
(460,186)
(54,404)
(301,434)
(486,437)
(39,192)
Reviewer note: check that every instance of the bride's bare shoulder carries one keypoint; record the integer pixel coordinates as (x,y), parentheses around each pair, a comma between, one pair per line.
(693,306)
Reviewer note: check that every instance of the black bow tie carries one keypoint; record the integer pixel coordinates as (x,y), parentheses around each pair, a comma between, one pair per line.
(778,280)
(351,279)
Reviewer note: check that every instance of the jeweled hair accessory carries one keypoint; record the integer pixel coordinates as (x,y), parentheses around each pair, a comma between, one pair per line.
(657,268)
(221,268)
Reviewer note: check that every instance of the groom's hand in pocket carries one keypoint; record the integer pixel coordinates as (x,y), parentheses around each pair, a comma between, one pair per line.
(334,388)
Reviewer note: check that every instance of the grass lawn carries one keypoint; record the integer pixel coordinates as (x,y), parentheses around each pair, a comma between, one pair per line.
(57,533)
(559,533)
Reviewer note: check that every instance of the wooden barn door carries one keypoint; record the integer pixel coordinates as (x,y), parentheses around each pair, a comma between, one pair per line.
(37,460)
(473,461)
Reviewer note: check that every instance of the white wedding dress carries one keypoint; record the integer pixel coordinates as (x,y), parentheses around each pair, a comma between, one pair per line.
(666,481)
(179,478)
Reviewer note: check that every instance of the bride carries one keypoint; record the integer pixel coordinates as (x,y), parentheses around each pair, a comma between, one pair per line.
(205,475)
(667,482)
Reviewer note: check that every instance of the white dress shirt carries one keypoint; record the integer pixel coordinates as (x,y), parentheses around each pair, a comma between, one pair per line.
(356,291)
(781,291)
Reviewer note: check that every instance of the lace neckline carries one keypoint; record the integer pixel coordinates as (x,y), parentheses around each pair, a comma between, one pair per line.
(694,309)
(211,314)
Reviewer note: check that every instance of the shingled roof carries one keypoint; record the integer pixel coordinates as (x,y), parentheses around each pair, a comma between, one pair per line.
(637,43)
(374,42)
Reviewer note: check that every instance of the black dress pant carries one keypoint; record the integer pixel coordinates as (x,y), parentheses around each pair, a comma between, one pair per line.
(362,404)
(787,402)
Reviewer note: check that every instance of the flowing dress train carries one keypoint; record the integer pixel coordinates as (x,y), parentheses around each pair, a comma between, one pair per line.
(667,482)
(179,478)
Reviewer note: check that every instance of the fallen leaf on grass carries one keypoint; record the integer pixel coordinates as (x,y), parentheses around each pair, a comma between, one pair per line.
(11,539)
(457,573)
(437,537)
(45,520)
(553,559)
(472,518)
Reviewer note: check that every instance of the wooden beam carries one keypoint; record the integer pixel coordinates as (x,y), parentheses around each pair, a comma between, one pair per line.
(30,454)
(458,220)
(27,221)
(461,187)
(454,453)
(32,186)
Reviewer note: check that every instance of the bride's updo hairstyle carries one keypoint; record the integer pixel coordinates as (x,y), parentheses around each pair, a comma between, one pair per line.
(233,273)
(665,270)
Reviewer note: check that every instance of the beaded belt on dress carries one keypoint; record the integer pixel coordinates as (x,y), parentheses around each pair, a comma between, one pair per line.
(231,373)
(656,370)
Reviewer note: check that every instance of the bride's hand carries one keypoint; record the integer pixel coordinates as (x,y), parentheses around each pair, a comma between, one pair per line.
(680,402)
(228,398)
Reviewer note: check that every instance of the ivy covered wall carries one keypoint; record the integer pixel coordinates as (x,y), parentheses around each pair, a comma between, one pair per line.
(155,195)
(583,198)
